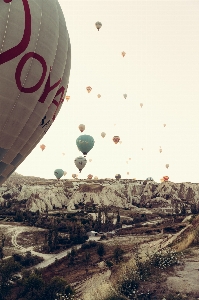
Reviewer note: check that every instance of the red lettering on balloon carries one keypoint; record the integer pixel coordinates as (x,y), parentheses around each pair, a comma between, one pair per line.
(60,91)
(20,68)
(21,47)
(48,88)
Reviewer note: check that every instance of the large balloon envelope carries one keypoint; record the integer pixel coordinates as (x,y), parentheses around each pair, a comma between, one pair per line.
(35,60)
(80,162)
(85,143)
(58,173)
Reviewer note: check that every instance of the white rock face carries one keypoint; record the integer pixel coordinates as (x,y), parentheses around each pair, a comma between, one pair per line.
(42,194)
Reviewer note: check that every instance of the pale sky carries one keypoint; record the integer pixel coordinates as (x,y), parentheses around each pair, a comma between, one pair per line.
(160,70)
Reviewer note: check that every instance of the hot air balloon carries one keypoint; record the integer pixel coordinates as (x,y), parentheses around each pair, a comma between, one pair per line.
(42,147)
(166,178)
(127,162)
(85,143)
(120,142)
(98,95)
(125,96)
(141,104)
(142,148)
(63,153)
(81,127)
(98,25)
(74,175)
(150,178)
(127,173)
(167,165)
(67,98)
(96,178)
(116,139)
(89,88)
(160,150)
(35,60)
(103,134)
(80,162)
(123,53)
(129,158)
(90,160)
(65,173)
(90,176)
(162,179)
(164,125)
(58,173)
(117,176)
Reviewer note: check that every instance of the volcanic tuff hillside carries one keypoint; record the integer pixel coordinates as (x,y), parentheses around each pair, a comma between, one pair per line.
(47,194)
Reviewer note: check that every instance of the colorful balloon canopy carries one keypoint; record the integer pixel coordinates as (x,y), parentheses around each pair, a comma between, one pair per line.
(123,53)
(90,176)
(166,178)
(85,143)
(80,162)
(58,173)
(42,147)
(67,98)
(103,134)
(81,127)
(116,139)
(98,25)
(35,60)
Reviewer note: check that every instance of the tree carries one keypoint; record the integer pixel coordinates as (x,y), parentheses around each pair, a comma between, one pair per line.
(118,254)
(87,259)
(118,217)
(101,251)
(183,210)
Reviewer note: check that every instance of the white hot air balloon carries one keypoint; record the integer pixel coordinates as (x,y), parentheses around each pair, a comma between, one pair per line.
(98,95)
(103,134)
(65,173)
(35,60)
(98,25)
(141,104)
(123,53)
(81,127)
(80,162)
(160,150)
(90,159)
(167,165)
(164,125)
(89,89)
(120,142)
(96,178)
(125,96)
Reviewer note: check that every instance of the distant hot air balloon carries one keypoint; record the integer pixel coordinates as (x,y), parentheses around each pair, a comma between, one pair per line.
(98,25)
(166,178)
(142,148)
(98,95)
(125,96)
(164,125)
(65,173)
(103,134)
(160,150)
(74,176)
(127,173)
(80,162)
(81,127)
(167,165)
(123,53)
(117,176)
(141,104)
(129,158)
(89,176)
(96,178)
(85,143)
(150,178)
(90,159)
(63,153)
(116,139)
(67,98)
(89,88)
(35,62)
(120,142)
(58,173)
(162,179)
(42,147)
(127,162)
